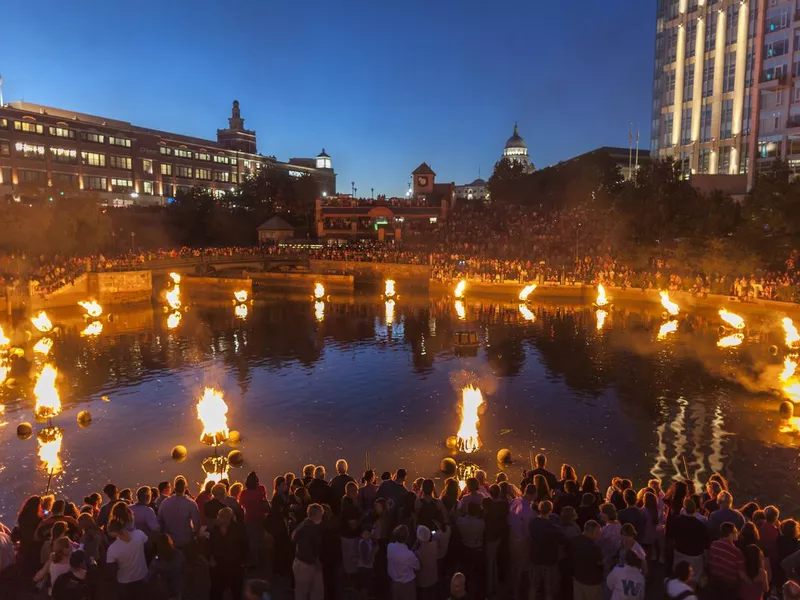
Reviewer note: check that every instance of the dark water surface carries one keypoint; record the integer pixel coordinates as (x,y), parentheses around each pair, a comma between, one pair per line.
(303,390)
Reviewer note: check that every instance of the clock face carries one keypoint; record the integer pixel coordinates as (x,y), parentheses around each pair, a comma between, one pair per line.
(422,180)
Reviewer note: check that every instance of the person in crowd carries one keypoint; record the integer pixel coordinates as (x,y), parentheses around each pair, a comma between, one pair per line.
(168,567)
(215,504)
(110,490)
(179,516)
(428,575)
(547,541)
(24,534)
(127,553)
(786,545)
(228,548)
(367,550)
(540,461)
(57,564)
(320,490)
(402,565)
(725,562)
(471,528)
(201,499)
(368,492)
(393,490)
(350,523)
(691,539)
(680,587)
(520,516)
(77,583)
(569,497)
(471,494)
(627,582)
(164,492)
(587,563)
(496,517)
(144,518)
(338,484)
(307,567)
(631,513)
(567,474)
(769,530)
(588,509)
(458,587)
(253,499)
(748,535)
(610,541)
(754,582)
(724,514)
(629,543)
(308,474)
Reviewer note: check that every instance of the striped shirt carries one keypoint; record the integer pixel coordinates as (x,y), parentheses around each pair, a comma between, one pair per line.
(726,561)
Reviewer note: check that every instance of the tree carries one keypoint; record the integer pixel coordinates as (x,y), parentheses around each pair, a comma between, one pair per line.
(504,184)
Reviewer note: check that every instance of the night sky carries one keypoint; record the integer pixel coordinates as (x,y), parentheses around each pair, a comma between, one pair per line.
(381,85)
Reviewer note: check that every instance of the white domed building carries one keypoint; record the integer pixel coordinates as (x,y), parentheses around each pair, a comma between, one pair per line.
(517,151)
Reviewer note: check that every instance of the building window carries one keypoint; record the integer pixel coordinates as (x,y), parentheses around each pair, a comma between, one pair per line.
(165,150)
(147,187)
(119,141)
(202,174)
(95,183)
(732,23)
(725,160)
(29,176)
(65,180)
(776,48)
(691,38)
(667,130)
(793,144)
(166,169)
(202,156)
(708,78)
(704,162)
(669,92)
(93,159)
(64,155)
(119,162)
(726,120)
(688,90)
(181,153)
(672,44)
(234,161)
(711,30)
(221,159)
(147,166)
(729,73)
(29,150)
(62,132)
(778,22)
(234,177)
(121,185)
(223,176)
(28,127)
(747,115)
(769,149)
(686,126)
(5,148)
(94,138)
(750,67)
(3,123)
(705,123)
(183,171)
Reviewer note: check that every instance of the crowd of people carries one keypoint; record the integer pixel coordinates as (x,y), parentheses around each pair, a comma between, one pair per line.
(552,537)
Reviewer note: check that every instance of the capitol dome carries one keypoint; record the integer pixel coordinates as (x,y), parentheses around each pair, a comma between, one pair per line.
(516,151)
(516,141)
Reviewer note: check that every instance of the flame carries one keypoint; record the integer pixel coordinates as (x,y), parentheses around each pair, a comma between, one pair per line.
(601,318)
(4,341)
(460,287)
(174,297)
(389,312)
(527,291)
(731,341)
(4,369)
(49,449)
(240,295)
(48,404)
(92,329)
(319,310)
(461,485)
(41,322)
(460,310)
(211,410)
(319,291)
(667,328)
(468,440)
(43,346)
(93,309)
(526,313)
(668,304)
(388,288)
(789,367)
(731,319)
(176,279)
(792,391)
(216,469)
(173,320)
(792,336)
(240,311)
(602,299)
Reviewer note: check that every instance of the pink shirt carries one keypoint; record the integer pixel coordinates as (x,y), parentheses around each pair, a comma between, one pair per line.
(253,503)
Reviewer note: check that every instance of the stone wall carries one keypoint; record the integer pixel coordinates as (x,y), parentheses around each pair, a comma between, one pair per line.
(372,270)
(304,280)
(125,287)
(216,286)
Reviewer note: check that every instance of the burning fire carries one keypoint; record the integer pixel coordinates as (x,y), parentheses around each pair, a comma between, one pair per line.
(731,319)
(792,336)
(4,341)
(93,309)
(92,329)
(667,328)
(602,299)
(389,312)
(526,313)
(48,404)
(468,440)
(216,469)
(240,311)
(50,448)
(461,311)
(174,297)
(211,410)
(173,320)
(319,310)
(319,291)
(43,346)
(3,374)
(730,341)
(601,318)
(176,279)
(41,322)
(789,367)
(669,305)
(792,391)
(388,288)
(240,295)
(462,285)
(527,291)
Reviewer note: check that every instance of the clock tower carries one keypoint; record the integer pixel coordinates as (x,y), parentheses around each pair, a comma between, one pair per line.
(423,180)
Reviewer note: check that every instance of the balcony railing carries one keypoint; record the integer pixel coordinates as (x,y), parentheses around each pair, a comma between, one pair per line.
(776,80)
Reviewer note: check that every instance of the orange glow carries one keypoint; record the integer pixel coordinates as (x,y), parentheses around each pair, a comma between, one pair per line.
(460,288)
(792,335)
(668,304)
(601,318)
(667,328)
(526,313)
(319,291)
(731,319)
(240,295)
(602,299)
(42,322)
(48,403)
(388,288)
(527,291)
(50,448)
(468,439)
(212,411)
(731,341)
(93,309)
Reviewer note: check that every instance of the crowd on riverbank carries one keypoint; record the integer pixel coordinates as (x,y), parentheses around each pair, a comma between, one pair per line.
(556,537)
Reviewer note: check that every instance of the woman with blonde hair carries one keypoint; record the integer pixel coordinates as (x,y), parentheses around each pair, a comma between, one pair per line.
(56,565)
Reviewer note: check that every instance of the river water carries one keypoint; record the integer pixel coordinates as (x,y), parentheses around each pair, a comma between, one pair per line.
(308,384)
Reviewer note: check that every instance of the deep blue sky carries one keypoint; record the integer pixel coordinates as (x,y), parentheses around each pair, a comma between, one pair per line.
(381,85)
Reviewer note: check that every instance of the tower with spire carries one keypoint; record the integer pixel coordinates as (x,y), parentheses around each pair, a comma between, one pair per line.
(236,137)
(516,151)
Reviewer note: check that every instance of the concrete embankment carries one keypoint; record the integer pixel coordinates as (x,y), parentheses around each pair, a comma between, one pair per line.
(304,281)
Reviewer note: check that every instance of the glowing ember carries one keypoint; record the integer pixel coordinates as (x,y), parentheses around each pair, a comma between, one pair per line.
(460,288)
(461,311)
(792,391)
(731,319)
(388,288)
(176,279)
(241,295)
(389,312)
(527,291)
(173,320)
(667,328)
(319,310)
(48,404)
(792,336)
(601,318)
(319,291)
(789,367)
(602,299)
(669,305)
(240,311)
(216,469)
(50,448)
(731,341)
(468,440)
(526,313)
(92,329)
(791,426)
(4,341)
(93,309)
(41,322)
(3,375)
(211,410)
(43,346)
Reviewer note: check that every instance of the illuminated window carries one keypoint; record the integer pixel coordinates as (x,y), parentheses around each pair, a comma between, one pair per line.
(62,132)
(183,171)
(166,169)
(147,187)
(29,150)
(93,159)
(165,150)
(29,127)
(182,153)
(202,174)
(223,176)
(118,141)
(121,185)
(147,166)
(202,156)
(5,148)
(221,159)
(94,138)
(234,177)
(64,155)
(234,161)
(96,183)
(3,123)
(119,162)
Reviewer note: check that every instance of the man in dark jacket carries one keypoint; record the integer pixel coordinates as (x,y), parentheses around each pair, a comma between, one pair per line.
(338,485)
(541,463)
(547,541)
(229,550)
(307,569)
(319,489)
